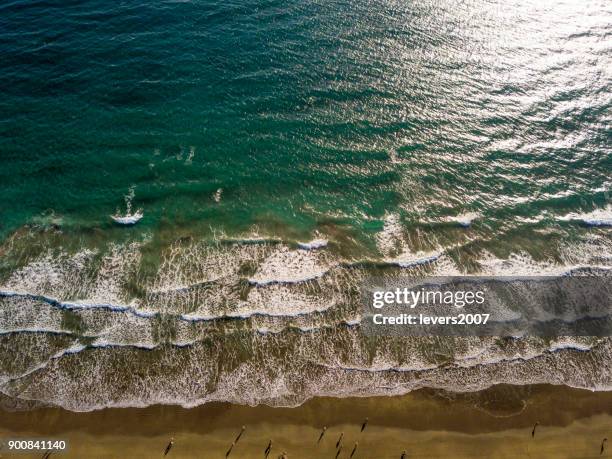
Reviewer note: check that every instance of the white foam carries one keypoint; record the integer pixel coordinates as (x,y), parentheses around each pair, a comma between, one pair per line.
(410,259)
(598,222)
(310,367)
(598,217)
(186,265)
(80,280)
(397,250)
(522,264)
(74,348)
(420,258)
(190,155)
(391,237)
(56,274)
(465,219)
(570,343)
(291,266)
(323,351)
(18,313)
(128,219)
(314,244)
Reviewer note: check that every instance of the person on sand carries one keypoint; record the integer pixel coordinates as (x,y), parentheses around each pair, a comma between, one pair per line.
(268,449)
(365,423)
(229,451)
(339,440)
(240,434)
(322,433)
(169,446)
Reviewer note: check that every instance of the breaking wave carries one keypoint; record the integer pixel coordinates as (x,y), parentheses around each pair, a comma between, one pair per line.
(258,322)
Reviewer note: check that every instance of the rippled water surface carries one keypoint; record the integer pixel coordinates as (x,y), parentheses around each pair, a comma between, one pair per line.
(279,153)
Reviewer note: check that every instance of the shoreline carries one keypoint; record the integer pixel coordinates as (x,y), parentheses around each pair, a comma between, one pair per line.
(426,422)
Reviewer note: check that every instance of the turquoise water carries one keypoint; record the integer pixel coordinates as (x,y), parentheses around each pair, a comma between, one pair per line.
(302,113)
(425,136)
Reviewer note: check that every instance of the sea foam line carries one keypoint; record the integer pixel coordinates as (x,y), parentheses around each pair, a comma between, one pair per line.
(78,305)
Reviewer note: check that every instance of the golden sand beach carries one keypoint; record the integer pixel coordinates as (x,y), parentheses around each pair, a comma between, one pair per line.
(496,423)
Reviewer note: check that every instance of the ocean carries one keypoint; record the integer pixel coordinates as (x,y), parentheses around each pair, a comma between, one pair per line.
(276,154)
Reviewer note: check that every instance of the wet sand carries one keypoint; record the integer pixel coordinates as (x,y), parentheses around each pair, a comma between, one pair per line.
(426,423)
